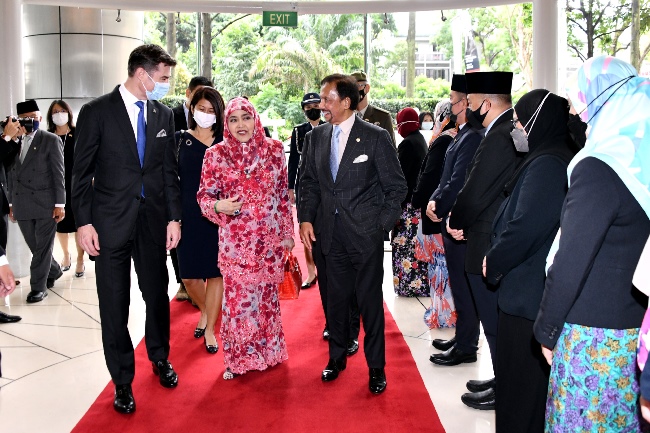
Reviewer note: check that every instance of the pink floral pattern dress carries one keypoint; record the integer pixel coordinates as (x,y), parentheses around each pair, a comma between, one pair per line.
(250,244)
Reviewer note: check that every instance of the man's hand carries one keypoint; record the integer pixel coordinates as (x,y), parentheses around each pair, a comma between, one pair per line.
(645,409)
(7,281)
(456,234)
(548,354)
(288,244)
(88,239)
(307,235)
(58,214)
(173,234)
(11,214)
(292,196)
(431,212)
(12,129)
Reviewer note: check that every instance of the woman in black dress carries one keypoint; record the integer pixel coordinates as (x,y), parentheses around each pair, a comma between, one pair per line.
(60,121)
(199,245)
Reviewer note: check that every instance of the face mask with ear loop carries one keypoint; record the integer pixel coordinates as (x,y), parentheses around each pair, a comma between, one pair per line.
(519,136)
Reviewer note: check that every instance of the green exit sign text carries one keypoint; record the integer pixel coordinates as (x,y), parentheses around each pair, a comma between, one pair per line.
(280,19)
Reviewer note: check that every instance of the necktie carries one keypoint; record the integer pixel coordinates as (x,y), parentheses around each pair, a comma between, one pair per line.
(334,154)
(26,143)
(141,138)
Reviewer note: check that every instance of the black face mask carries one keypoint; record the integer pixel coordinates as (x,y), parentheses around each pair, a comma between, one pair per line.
(453,118)
(313,114)
(362,94)
(577,129)
(475,118)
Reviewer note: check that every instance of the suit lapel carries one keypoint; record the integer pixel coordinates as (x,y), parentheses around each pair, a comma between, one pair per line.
(124,122)
(326,150)
(353,139)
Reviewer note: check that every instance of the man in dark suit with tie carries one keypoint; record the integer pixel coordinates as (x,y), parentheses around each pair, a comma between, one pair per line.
(37,191)
(463,347)
(180,124)
(490,106)
(353,182)
(126,199)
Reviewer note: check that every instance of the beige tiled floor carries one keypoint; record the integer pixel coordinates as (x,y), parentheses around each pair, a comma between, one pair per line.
(53,359)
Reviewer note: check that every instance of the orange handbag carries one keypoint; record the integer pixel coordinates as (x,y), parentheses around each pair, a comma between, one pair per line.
(290,286)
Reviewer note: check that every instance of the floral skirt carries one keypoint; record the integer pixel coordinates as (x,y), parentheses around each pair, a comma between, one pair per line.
(594,385)
(441,313)
(410,276)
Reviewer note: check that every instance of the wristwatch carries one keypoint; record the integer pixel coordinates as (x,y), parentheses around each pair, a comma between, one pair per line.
(175,221)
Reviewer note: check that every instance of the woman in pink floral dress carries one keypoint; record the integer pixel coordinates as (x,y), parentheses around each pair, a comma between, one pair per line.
(244,190)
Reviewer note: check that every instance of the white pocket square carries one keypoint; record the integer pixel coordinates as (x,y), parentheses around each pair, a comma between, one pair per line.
(360,158)
(162,133)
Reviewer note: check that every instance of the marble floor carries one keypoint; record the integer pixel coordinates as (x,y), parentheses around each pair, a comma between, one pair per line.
(53,363)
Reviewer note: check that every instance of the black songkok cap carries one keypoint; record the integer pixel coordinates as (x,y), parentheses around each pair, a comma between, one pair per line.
(458,83)
(26,107)
(494,83)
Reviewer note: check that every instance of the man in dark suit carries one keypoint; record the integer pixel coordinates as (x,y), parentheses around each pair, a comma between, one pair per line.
(37,191)
(490,106)
(368,112)
(180,124)
(353,182)
(126,199)
(9,147)
(463,347)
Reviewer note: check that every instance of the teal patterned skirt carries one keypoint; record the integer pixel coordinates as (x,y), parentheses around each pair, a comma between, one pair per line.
(594,385)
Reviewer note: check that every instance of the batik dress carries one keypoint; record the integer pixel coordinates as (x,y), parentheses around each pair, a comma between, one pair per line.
(250,247)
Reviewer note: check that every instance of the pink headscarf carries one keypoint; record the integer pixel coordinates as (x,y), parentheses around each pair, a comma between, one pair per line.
(257,148)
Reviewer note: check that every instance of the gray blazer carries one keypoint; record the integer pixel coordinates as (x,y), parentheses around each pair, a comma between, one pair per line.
(367,192)
(38,183)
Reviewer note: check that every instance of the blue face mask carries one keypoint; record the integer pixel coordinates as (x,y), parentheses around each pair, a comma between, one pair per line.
(159,90)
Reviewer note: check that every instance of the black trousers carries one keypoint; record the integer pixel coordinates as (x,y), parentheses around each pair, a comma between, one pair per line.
(174,256)
(350,273)
(467,323)
(39,235)
(4,226)
(321,270)
(485,299)
(523,377)
(113,268)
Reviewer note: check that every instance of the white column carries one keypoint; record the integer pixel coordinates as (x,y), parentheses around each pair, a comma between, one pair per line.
(545,45)
(12,91)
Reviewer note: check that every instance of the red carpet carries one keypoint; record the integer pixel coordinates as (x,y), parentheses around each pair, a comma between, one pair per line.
(289,398)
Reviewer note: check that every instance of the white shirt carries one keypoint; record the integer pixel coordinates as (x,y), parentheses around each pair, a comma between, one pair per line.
(362,112)
(495,119)
(346,127)
(132,109)
(187,114)
(3,260)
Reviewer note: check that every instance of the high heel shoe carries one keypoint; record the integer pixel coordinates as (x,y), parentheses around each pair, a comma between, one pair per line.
(199,332)
(212,349)
(67,268)
(82,273)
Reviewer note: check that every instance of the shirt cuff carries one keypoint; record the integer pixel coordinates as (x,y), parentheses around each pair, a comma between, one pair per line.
(59,205)
(3,260)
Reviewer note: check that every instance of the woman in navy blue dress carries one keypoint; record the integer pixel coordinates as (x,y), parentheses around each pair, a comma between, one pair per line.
(199,245)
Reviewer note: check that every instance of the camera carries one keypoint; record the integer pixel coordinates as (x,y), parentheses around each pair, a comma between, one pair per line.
(27,123)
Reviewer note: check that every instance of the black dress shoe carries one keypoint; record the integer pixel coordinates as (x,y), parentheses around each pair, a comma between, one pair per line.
(124,402)
(326,334)
(484,400)
(211,348)
(377,383)
(333,369)
(8,318)
(481,385)
(199,332)
(49,283)
(164,369)
(35,296)
(353,347)
(443,344)
(453,356)
(308,284)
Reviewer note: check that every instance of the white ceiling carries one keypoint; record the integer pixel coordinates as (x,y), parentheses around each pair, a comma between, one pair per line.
(256,7)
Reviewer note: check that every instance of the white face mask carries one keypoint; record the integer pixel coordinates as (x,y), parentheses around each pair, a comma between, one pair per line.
(427,125)
(205,120)
(60,119)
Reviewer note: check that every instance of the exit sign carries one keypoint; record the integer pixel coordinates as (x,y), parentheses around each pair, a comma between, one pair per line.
(280,19)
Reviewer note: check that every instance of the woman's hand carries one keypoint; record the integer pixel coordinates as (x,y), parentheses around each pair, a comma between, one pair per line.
(288,244)
(548,354)
(229,206)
